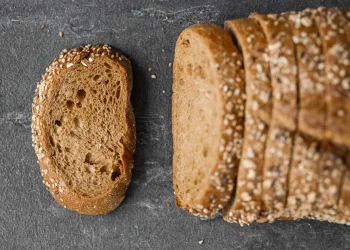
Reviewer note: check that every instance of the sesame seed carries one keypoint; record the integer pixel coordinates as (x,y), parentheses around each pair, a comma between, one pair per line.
(42,26)
(153,76)
(61,34)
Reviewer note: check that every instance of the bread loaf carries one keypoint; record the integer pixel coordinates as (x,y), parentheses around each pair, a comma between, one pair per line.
(84,130)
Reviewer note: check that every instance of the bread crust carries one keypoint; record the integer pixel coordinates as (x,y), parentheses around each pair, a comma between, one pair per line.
(226,64)
(246,200)
(284,113)
(52,176)
(306,159)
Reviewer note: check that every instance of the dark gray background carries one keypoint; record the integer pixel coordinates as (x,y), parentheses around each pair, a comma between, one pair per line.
(146,31)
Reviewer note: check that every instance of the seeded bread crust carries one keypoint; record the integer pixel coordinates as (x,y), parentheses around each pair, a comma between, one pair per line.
(279,143)
(246,202)
(225,63)
(53,178)
(330,22)
(307,152)
(344,200)
(332,26)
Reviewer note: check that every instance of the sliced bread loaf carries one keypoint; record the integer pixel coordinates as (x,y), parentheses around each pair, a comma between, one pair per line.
(245,205)
(279,145)
(207,118)
(84,130)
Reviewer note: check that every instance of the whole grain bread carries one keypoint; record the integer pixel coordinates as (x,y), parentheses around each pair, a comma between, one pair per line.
(207,118)
(307,150)
(330,22)
(245,205)
(279,145)
(84,130)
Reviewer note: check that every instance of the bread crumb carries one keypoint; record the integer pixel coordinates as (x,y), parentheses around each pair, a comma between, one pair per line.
(61,34)
(42,26)
(153,76)
(201,242)
(149,69)
(162,50)
(163,91)
(168,204)
(170,65)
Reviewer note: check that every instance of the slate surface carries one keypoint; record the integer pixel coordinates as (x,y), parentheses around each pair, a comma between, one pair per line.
(146,31)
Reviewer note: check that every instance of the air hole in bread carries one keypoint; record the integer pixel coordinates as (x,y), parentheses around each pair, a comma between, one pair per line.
(115,174)
(77,122)
(93,91)
(81,94)
(199,72)
(59,148)
(105,100)
(186,43)
(181,81)
(70,104)
(107,65)
(110,99)
(58,123)
(109,75)
(205,152)
(108,71)
(79,105)
(52,142)
(189,69)
(118,93)
(106,81)
(67,149)
(104,169)
(96,77)
(74,135)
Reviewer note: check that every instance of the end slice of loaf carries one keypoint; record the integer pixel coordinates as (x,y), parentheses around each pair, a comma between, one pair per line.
(279,145)
(207,118)
(246,200)
(84,130)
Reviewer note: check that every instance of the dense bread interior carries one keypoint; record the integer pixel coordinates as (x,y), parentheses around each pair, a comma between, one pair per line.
(196,117)
(86,124)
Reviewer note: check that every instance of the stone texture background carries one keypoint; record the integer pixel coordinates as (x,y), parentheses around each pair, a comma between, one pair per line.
(147,32)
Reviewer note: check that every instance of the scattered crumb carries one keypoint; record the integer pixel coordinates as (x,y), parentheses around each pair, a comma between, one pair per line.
(201,242)
(162,50)
(149,69)
(153,76)
(61,34)
(168,204)
(42,26)
(170,65)
(163,91)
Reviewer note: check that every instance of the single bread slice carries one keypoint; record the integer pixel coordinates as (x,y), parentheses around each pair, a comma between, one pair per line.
(307,151)
(246,201)
(344,200)
(84,130)
(330,22)
(207,118)
(278,153)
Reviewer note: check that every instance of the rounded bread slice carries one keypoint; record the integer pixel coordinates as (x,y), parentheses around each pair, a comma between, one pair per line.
(84,130)
(207,118)
(246,199)
(279,143)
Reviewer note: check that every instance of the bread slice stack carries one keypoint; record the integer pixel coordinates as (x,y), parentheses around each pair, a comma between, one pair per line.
(261,119)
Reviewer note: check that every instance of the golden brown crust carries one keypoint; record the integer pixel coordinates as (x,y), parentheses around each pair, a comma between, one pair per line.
(52,176)
(245,206)
(226,63)
(283,124)
(311,115)
(332,25)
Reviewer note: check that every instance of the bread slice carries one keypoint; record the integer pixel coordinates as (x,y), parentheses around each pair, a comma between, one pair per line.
(279,143)
(84,130)
(334,42)
(246,203)
(207,118)
(306,159)
(344,199)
